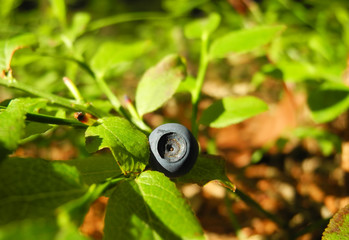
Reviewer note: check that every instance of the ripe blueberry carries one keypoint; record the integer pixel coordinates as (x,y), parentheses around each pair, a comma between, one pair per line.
(173,148)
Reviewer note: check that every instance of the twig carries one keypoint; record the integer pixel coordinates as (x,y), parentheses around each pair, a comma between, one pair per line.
(204,59)
(252,203)
(52,98)
(42,118)
(240,235)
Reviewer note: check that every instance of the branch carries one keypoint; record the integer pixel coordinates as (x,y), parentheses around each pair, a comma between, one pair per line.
(54,99)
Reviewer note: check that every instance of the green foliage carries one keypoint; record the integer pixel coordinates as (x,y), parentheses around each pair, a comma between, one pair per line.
(34,188)
(150,207)
(12,127)
(338,228)
(242,41)
(110,54)
(59,10)
(228,111)
(128,145)
(208,168)
(327,141)
(10,45)
(39,229)
(328,101)
(159,83)
(202,27)
(97,168)
(180,7)
(39,45)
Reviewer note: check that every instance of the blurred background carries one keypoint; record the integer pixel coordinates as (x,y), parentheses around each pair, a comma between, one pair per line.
(293,159)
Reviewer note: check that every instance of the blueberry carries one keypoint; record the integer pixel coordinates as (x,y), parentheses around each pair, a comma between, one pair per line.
(174,149)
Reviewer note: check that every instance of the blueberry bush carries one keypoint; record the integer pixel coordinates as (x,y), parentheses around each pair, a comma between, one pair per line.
(99,76)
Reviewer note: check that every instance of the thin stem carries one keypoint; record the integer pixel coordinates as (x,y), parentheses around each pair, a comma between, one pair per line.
(10,82)
(136,120)
(73,89)
(204,59)
(234,221)
(76,209)
(107,184)
(54,120)
(135,116)
(252,203)
(254,9)
(121,18)
(54,99)
(110,95)
(320,224)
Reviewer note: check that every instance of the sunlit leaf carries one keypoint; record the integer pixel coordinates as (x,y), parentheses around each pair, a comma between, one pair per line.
(207,168)
(12,124)
(128,145)
(110,54)
(328,142)
(188,85)
(229,111)
(200,27)
(10,45)
(243,40)
(338,228)
(328,101)
(150,207)
(78,26)
(159,83)
(179,7)
(59,10)
(6,7)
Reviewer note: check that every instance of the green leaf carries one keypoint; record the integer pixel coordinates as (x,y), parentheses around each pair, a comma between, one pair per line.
(180,7)
(128,145)
(298,71)
(328,142)
(110,54)
(59,10)
(35,128)
(33,105)
(207,168)
(9,46)
(40,229)
(243,40)
(159,83)
(328,101)
(188,85)
(12,124)
(6,7)
(338,228)
(202,27)
(95,169)
(229,111)
(150,207)
(33,188)
(128,17)
(77,28)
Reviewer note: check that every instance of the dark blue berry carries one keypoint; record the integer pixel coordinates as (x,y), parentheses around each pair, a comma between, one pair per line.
(174,149)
